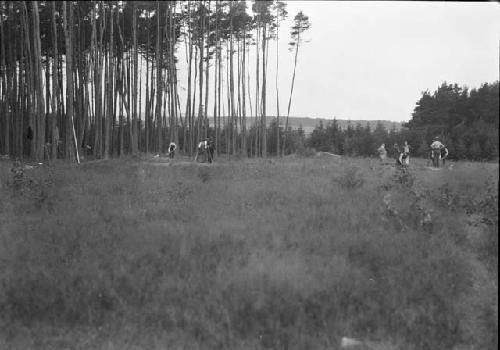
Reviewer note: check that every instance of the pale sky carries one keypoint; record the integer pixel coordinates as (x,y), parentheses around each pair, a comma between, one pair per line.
(371,60)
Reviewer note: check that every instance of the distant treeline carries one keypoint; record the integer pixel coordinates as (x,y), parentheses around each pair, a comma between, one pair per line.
(465,120)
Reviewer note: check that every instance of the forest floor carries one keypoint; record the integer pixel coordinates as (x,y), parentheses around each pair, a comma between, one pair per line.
(292,253)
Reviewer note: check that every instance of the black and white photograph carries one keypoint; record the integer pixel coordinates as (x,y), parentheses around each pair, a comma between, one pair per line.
(249,174)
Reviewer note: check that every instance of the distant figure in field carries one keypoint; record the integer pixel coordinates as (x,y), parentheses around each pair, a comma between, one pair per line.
(396,151)
(171,150)
(400,155)
(444,154)
(202,148)
(210,150)
(403,159)
(429,160)
(436,147)
(406,153)
(382,152)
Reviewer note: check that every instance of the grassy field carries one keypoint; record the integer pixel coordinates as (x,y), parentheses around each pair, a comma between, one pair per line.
(291,253)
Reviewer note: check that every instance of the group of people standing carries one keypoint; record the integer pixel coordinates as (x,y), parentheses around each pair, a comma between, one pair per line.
(206,148)
(402,154)
(438,153)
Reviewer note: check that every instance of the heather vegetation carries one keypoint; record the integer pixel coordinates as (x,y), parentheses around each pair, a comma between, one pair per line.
(290,253)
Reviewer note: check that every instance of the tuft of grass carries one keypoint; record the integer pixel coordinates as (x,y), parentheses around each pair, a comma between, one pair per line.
(204,174)
(350,178)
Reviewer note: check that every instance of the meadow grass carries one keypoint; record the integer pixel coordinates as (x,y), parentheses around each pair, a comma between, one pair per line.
(290,253)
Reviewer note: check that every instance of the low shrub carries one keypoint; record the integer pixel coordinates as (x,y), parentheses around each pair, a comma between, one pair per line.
(350,178)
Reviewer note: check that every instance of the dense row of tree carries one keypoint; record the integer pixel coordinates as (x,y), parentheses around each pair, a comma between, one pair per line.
(355,140)
(103,75)
(467,121)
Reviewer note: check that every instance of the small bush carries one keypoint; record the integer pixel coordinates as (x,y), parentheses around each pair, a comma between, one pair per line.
(350,178)
(204,174)
(404,176)
(306,152)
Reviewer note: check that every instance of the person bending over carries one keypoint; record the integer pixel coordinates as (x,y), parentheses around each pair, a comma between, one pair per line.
(171,150)
(202,148)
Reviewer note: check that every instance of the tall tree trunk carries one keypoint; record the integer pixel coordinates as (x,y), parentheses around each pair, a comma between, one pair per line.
(188,100)
(158,80)
(134,137)
(249,95)
(68,27)
(40,120)
(141,114)
(30,96)
(79,81)
(174,132)
(109,90)
(207,76)
(244,107)
(193,108)
(98,70)
(264,122)
(114,99)
(216,74)
(48,133)
(152,118)
(277,90)
(146,118)
(219,96)
(4,97)
(227,116)
(22,81)
(200,68)
(231,87)
(257,89)
(291,89)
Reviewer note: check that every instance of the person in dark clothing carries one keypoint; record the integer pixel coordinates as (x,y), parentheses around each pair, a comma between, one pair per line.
(171,150)
(444,154)
(436,148)
(398,154)
(396,151)
(210,150)
(202,148)
(402,160)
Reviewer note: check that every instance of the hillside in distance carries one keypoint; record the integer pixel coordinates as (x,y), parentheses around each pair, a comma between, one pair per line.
(308,124)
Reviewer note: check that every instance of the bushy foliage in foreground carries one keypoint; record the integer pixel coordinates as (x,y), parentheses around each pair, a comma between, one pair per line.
(293,253)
